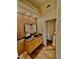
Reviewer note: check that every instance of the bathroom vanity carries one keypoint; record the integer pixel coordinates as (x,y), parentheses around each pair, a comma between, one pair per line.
(32,43)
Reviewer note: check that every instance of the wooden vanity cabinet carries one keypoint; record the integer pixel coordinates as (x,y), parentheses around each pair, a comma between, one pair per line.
(20,47)
(30,46)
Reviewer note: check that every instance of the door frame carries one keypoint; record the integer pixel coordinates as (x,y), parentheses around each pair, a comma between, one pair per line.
(46,24)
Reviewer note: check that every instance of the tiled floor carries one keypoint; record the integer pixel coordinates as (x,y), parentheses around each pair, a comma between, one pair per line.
(48,52)
(24,56)
(36,52)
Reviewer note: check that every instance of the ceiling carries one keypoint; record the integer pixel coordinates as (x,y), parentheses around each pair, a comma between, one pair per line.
(44,6)
(37,3)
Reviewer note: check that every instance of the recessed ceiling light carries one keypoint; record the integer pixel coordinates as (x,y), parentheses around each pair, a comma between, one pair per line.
(48,5)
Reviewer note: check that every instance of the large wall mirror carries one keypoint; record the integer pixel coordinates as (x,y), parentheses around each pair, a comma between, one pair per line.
(30,28)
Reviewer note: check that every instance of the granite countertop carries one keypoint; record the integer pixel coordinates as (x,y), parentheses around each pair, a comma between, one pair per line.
(31,38)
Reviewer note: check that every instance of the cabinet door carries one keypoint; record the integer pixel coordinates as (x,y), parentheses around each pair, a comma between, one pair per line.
(29,46)
(20,46)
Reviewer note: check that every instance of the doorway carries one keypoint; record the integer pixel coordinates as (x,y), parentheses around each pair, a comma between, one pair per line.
(50,30)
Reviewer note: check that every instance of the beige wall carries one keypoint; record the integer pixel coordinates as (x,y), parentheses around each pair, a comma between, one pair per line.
(21,20)
(20,25)
(42,28)
(41,22)
(29,20)
(46,14)
(58,30)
